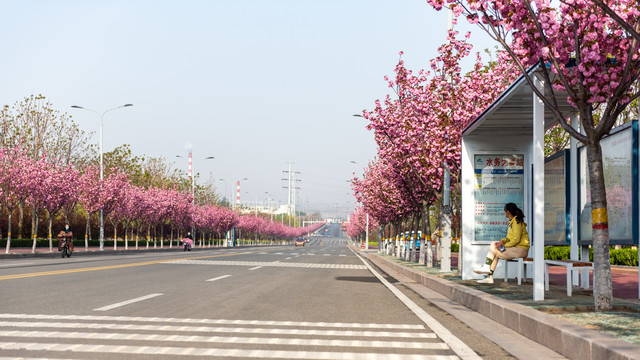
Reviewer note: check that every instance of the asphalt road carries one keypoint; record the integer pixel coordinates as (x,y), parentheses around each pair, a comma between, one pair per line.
(320,301)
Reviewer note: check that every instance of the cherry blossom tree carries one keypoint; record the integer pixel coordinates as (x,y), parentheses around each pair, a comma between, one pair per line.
(16,181)
(59,190)
(96,194)
(590,52)
(418,134)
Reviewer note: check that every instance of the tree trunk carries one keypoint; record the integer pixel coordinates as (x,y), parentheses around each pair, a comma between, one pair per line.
(34,223)
(1,213)
(602,287)
(148,234)
(34,229)
(20,217)
(50,222)
(115,236)
(9,232)
(429,250)
(414,237)
(125,227)
(171,238)
(423,237)
(86,232)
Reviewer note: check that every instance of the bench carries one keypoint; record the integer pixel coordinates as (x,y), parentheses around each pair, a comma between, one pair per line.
(571,265)
(521,262)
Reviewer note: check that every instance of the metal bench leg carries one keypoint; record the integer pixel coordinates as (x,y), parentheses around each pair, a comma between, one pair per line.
(546,277)
(520,266)
(569,284)
(506,270)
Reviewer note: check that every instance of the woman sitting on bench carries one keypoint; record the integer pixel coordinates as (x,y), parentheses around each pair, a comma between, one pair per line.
(515,245)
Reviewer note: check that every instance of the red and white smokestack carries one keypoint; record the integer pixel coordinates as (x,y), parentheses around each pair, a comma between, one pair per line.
(238,193)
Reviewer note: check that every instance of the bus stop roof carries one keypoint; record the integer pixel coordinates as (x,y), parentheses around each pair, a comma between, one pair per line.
(512,112)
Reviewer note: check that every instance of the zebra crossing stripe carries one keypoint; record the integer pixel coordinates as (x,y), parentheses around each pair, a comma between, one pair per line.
(215,321)
(228,340)
(276,264)
(241,330)
(163,350)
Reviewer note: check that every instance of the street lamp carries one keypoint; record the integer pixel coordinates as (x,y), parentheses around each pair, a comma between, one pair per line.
(269,204)
(101,161)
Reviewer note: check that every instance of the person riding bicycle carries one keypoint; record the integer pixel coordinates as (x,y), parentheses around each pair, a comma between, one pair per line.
(67,235)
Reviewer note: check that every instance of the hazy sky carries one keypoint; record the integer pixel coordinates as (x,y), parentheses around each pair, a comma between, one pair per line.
(256,84)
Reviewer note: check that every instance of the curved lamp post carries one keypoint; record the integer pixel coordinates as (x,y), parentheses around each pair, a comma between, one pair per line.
(101,162)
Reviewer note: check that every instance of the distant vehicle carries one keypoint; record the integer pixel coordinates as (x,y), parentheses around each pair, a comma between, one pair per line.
(299,242)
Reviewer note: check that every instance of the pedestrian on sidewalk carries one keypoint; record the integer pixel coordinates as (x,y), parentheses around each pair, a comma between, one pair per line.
(515,245)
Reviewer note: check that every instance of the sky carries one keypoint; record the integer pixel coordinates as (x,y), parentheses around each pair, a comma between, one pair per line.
(255,84)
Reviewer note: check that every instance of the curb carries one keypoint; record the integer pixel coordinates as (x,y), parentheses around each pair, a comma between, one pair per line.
(56,254)
(47,254)
(570,340)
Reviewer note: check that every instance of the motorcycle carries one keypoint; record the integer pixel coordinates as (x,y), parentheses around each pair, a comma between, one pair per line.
(64,249)
(187,244)
(65,244)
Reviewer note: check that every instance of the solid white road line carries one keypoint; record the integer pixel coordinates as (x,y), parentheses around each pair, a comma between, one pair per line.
(456,344)
(214,321)
(123,303)
(209,329)
(227,340)
(255,268)
(122,349)
(219,277)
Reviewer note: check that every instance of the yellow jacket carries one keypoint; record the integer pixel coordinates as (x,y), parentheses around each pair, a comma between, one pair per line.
(517,235)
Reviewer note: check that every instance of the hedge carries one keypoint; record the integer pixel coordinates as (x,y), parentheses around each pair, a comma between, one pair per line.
(625,256)
(44,243)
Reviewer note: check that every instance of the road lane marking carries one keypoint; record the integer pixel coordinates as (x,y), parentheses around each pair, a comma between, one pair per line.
(459,347)
(255,268)
(276,264)
(227,340)
(219,277)
(289,258)
(239,353)
(215,321)
(127,302)
(214,329)
(109,267)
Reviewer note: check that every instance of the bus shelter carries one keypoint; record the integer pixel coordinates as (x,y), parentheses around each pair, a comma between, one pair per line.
(503,161)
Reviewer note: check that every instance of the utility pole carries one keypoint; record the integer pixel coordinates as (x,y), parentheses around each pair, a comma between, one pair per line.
(445,239)
(291,191)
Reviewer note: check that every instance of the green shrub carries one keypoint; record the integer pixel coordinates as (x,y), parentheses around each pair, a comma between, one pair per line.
(624,257)
(557,252)
(455,248)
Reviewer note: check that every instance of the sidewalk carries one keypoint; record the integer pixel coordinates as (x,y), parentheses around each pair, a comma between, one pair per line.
(564,324)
